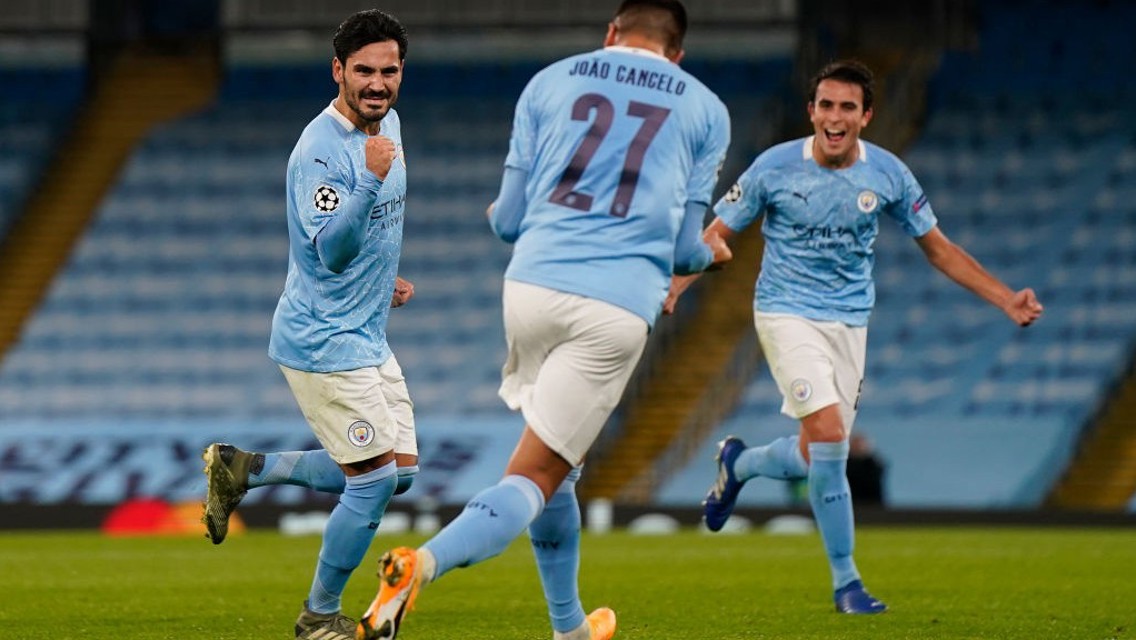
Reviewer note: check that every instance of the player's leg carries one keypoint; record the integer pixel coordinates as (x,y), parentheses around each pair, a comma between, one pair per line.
(312,469)
(569,360)
(831,501)
(822,434)
(348,414)
(800,360)
(824,441)
(402,410)
(738,464)
(555,536)
(494,517)
(780,459)
(490,521)
(568,364)
(407,472)
(230,472)
(350,529)
(581,382)
(315,469)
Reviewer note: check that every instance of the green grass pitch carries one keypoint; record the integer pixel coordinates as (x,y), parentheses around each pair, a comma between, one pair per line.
(940,583)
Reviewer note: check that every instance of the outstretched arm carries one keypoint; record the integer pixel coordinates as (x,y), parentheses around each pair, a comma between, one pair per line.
(717,236)
(1021,306)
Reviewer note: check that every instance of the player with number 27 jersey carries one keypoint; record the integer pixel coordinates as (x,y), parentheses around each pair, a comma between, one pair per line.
(611,165)
(613,141)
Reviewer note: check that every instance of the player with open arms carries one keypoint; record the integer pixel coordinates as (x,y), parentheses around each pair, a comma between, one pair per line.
(612,161)
(822,197)
(346,190)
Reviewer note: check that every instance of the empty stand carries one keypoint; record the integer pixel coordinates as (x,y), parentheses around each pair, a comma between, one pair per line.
(35,114)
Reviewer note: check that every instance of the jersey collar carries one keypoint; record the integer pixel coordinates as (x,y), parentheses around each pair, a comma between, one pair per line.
(807,151)
(339,117)
(636,51)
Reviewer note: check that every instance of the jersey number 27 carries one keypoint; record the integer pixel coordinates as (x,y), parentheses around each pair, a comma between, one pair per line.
(653,118)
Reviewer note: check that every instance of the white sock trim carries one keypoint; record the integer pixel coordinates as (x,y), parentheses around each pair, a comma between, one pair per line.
(582,632)
(429,565)
(528,488)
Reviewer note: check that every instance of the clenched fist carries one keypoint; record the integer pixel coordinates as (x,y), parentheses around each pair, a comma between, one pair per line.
(1023,308)
(403,292)
(379,153)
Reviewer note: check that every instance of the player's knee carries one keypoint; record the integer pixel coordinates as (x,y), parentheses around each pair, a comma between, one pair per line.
(831,434)
(825,425)
(405,479)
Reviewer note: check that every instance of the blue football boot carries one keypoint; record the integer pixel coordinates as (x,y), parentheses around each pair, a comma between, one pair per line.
(719,502)
(852,598)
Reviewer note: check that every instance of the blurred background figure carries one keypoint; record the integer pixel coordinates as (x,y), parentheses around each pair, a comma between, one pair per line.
(865,472)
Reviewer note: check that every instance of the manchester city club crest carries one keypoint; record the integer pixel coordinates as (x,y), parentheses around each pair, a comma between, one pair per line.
(801,389)
(867,201)
(361,433)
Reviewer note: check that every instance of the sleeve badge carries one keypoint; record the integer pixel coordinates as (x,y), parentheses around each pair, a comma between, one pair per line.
(326,199)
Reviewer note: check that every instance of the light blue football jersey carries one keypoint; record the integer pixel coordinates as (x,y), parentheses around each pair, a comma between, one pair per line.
(615,142)
(820,225)
(329,321)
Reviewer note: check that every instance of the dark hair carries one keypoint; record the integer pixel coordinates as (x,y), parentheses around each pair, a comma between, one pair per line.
(662,20)
(850,71)
(364,28)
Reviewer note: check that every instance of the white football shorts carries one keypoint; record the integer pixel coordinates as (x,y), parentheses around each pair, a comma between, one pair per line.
(569,360)
(815,364)
(357,414)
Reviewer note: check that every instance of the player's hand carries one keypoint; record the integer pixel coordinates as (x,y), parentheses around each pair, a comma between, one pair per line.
(1023,307)
(722,253)
(670,302)
(379,153)
(678,285)
(403,292)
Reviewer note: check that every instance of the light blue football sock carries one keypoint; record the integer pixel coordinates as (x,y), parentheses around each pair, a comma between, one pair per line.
(349,532)
(780,460)
(489,522)
(831,500)
(405,479)
(313,469)
(555,536)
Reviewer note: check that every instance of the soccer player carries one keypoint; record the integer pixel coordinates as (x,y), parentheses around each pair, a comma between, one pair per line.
(346,189)
(822,197)
(613,157)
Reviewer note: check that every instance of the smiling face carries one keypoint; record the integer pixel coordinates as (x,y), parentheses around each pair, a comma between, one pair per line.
(368,84)
(837,113)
